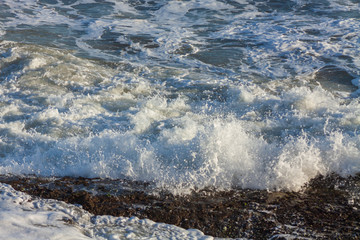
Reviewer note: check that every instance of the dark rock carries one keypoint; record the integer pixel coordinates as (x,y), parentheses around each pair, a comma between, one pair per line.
(334,78)
(321,211)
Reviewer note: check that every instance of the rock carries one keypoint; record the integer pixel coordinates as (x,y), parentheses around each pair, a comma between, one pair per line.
(321,211)
(334,78)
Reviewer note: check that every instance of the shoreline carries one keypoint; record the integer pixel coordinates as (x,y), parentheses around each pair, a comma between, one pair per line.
(326,208)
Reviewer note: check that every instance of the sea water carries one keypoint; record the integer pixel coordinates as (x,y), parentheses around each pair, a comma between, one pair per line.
(184,94)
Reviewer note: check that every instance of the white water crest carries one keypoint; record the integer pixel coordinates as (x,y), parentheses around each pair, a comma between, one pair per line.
(185,94)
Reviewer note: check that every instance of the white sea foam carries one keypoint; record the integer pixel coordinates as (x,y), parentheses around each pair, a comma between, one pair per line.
(255,139)
(185,94)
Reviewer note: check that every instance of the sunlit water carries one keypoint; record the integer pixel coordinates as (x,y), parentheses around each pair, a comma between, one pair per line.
(186,94)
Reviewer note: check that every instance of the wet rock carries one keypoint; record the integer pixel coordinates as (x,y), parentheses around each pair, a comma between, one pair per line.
(334,78)
(321,211)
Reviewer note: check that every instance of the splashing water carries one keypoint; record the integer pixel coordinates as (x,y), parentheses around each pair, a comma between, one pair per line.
(186,94)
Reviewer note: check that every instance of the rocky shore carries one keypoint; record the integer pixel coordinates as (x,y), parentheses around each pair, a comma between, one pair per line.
(328,208)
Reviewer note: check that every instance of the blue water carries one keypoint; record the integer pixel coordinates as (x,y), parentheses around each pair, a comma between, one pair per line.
(186,94)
